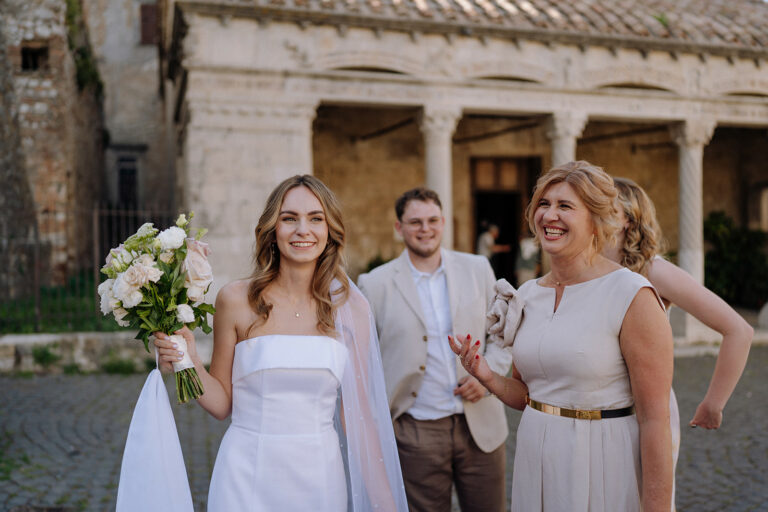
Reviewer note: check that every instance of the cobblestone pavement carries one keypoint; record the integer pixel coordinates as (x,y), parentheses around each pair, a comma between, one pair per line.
(61,441)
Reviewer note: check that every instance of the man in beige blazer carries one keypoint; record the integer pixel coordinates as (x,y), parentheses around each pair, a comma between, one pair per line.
(448,429)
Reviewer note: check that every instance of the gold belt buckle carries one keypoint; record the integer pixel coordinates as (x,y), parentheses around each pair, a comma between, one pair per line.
(587,415)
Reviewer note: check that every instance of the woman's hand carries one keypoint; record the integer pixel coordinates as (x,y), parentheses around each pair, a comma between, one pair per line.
(471,359)
(707,416)
(169,352)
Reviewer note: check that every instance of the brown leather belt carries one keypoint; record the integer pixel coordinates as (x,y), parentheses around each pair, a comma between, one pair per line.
(580,414)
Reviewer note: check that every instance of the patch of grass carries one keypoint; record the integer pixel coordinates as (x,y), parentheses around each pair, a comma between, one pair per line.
(62,500)
(119,366)
(7,465)
(149,364)
(71,369)
(24,374)
(44,356)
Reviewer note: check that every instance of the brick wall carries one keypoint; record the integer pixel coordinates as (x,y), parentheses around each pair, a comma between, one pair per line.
(60,125)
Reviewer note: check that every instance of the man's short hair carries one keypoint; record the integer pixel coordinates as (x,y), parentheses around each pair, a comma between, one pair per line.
(415,194)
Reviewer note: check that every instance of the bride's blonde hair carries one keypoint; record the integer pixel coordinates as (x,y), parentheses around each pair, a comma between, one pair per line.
(266,256)
(642,236)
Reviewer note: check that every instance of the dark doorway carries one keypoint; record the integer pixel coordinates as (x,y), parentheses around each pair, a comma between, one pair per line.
(501,191)
(502,209)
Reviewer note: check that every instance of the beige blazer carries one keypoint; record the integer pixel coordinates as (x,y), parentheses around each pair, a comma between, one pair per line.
(392,293)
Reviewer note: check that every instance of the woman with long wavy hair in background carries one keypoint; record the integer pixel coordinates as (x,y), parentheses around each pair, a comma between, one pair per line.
(638,247)
(288,341)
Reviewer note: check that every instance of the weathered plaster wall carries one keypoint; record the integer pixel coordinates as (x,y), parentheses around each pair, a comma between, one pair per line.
(133,108)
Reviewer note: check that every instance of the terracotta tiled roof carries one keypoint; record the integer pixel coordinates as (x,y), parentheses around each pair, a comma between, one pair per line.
(710,23)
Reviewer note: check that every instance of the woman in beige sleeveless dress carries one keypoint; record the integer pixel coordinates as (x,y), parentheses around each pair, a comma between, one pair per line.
(593,363)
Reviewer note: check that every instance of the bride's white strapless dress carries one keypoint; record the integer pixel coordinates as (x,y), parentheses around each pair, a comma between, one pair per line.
(281,452)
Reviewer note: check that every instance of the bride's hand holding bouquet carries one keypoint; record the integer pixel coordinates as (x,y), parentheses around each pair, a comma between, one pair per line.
(156,283)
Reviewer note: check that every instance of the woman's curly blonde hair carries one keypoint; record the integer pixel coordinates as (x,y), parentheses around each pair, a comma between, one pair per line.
(330,264)
(642,235)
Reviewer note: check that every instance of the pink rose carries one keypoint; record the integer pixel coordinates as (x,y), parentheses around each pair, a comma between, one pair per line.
(199,272)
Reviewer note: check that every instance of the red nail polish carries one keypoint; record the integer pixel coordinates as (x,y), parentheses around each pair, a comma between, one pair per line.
(469,337)
(450,339)
(477,342)
(477,356)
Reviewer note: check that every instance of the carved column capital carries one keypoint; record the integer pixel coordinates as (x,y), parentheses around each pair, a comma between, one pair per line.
(439,120)
(562,129)
(693,132)
(566,124)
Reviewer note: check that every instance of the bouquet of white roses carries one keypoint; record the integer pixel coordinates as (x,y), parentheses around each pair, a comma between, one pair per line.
(156,283)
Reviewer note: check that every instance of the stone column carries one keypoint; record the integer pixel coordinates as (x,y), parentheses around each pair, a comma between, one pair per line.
(234,154)
(562,129)
(438,123)
(691,137)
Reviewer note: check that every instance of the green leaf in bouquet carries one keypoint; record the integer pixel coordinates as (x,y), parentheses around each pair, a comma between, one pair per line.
(206,307)
(143,335)
(205,327)
(175,327)
(171,306)
(178,284)
(164,267)
(200,233)
(149,326)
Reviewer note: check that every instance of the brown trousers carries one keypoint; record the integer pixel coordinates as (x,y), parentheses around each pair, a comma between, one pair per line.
(437,453)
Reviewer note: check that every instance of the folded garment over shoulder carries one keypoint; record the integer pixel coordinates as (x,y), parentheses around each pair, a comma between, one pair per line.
(505,314)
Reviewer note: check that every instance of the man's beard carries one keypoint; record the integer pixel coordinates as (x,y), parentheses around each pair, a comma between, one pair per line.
(422,253)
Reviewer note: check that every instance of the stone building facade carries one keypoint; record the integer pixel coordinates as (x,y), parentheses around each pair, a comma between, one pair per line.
(473,98)
(59,119)
(139,157)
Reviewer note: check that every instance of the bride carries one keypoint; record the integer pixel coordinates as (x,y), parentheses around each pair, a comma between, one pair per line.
(296,363)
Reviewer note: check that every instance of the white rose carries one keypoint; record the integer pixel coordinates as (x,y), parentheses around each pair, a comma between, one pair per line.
(126,292)
(150,269)
(198,269)
(120,313)
(182,220)
(105,292)
(171,238)
(184,313)
(146,259)
(141,272)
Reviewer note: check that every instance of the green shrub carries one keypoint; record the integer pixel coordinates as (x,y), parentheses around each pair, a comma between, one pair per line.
(119,366)
(149,364)
(71,369)
(374,262)
(44,356)
(736,263)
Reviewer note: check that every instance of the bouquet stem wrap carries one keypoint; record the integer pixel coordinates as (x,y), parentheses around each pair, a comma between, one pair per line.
(188,385)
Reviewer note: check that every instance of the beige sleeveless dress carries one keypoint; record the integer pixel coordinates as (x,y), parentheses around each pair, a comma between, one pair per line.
(571,358)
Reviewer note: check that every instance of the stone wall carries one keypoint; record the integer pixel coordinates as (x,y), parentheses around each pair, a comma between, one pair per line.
(81,351)
(17,210)
(60,124)
(133,109)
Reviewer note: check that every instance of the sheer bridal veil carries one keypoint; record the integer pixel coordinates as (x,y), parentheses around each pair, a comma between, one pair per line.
(375,480)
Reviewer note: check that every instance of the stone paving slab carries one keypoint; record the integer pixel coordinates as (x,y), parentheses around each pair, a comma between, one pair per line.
(62,437)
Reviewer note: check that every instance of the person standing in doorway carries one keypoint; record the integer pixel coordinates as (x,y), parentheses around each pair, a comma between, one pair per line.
(527,262)
(448,429)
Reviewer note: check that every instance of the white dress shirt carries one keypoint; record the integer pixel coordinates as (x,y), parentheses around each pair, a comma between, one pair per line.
(435,398)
